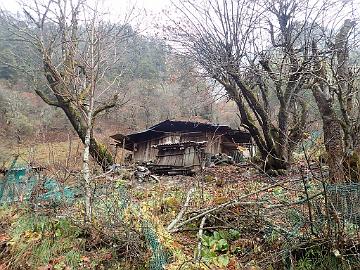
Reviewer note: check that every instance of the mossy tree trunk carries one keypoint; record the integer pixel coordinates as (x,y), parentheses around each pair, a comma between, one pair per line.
(73,104)
(97,150)
(340,127)
(66,64)
(273,149)
(333,136)
(76,117)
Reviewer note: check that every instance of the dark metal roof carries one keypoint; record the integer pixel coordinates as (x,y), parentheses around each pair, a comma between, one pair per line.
(170,126)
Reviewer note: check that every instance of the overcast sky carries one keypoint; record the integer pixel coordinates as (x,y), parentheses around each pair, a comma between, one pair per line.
(154,5)
(116,6)
(152,8)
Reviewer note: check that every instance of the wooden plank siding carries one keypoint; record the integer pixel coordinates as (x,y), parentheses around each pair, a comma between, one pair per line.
(145,151)
(216,143)
(187,157)
(183,157)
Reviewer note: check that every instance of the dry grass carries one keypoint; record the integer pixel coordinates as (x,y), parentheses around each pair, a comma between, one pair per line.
(42,154)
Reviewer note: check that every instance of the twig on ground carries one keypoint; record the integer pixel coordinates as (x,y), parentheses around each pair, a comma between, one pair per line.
(182,211)
(207,228)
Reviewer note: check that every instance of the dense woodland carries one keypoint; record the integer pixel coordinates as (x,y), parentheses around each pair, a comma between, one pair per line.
(285,71)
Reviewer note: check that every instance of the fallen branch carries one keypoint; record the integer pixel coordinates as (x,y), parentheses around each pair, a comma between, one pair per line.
(228,204)
(156,178)
(207,228)
(182,211)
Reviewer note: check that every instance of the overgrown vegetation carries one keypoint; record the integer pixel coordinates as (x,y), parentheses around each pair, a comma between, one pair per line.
(71,76)
(43,240)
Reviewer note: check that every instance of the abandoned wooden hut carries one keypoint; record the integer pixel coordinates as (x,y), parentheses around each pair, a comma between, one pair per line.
(183,143)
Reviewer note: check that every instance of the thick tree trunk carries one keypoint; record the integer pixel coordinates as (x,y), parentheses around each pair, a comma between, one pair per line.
(333,137)
(282,143)
(97,150)
(337,135)
(59,98)
(269,155)
(276,163)
(352,159)
(334,148)
(273,151)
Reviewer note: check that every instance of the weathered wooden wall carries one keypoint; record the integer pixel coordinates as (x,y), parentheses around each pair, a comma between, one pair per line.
(187,157)
(146,152)
(216,143)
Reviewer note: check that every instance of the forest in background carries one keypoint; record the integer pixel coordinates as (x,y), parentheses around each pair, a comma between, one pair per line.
(156,84)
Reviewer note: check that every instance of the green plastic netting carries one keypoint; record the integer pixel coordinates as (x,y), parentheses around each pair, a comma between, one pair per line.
(159,257)
(21,183)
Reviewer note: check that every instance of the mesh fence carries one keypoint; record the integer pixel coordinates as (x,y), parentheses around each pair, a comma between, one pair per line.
(159,257)
(314,212)
(345,200)
(24,184)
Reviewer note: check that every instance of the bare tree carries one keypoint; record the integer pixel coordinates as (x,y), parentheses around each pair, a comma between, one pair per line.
(258,51)
(93,52)
(335,86)
(76,52)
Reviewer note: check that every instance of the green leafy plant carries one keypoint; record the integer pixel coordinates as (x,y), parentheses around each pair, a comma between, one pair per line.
(216,247)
